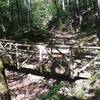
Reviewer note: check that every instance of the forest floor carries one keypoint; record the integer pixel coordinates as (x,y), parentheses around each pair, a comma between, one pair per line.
(32,87)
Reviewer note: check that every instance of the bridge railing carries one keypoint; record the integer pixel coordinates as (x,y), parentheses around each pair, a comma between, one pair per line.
(53,58)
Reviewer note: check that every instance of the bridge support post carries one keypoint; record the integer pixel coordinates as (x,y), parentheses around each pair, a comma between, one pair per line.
(17,56)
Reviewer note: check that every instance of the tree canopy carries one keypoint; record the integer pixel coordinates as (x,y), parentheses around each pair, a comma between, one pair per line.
(68,15)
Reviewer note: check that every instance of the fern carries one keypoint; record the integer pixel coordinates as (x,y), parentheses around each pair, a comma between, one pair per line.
(51,93)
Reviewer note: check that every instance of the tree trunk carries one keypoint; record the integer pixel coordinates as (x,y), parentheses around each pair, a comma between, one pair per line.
(4,92)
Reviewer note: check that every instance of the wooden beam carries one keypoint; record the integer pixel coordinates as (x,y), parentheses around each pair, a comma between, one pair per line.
(45,74)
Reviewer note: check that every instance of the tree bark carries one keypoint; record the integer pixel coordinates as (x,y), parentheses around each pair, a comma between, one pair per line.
(4,91)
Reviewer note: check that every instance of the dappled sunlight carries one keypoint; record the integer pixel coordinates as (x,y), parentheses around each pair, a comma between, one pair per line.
(50,49)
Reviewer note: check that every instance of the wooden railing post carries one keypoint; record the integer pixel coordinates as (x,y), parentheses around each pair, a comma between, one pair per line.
(17,56)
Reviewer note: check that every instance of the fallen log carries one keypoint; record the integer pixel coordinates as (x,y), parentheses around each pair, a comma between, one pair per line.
(46,74)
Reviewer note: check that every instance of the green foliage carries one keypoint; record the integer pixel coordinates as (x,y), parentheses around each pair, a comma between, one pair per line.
(51,94)
(42,11)
(93,79)
(16,15)
(69,15)
(80,53)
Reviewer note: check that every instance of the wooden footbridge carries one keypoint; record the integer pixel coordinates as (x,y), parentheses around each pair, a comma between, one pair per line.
(61,59)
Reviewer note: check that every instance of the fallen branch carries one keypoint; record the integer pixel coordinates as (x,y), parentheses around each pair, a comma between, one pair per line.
(83,68)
